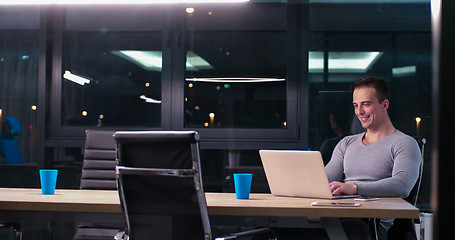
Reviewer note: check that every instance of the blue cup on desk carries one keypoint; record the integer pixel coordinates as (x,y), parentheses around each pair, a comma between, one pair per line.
(48,179)
(242,184)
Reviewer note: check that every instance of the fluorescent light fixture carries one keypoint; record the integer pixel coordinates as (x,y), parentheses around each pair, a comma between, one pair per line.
(235,80)
(149,60)
(75,78)
(342,62)
(195,62)
(109,2)
(404,71)
(149,100)
(153,60)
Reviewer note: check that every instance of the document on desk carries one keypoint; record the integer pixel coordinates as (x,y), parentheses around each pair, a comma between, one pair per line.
(335,204)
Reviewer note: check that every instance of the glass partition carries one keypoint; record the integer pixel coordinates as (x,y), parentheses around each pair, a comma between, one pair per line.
(348,41)
(19,68)
(112,67)
(357,41)
(236,71)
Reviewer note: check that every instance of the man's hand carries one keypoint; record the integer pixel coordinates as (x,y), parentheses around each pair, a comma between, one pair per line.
(339,188)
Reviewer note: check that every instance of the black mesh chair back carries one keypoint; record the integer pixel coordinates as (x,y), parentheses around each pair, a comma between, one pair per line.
(414,194)
(98,169)
(158,174)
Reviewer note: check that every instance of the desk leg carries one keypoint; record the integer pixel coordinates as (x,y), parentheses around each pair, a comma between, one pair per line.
(334,228)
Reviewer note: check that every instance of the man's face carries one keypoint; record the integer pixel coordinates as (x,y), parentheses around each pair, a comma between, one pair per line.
(368,109)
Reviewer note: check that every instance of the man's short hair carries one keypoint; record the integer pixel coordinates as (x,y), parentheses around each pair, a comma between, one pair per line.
(382,89)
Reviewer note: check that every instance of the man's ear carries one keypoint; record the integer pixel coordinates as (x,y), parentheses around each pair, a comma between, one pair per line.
(385,104)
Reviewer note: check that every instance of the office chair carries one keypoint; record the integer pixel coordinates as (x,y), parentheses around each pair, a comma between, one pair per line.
(16,228)
(98,172)
(404,228)
(159,180)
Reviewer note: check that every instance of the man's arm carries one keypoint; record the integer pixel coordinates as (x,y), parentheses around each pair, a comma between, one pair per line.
(334,168)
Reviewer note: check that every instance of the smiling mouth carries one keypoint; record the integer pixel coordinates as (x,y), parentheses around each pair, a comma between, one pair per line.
(364,119)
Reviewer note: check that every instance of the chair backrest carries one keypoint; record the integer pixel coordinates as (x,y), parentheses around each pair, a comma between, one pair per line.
(98,169)
(414,194)
(158,174)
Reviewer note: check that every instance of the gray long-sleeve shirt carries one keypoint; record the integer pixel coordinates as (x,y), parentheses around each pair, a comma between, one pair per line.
(386,168)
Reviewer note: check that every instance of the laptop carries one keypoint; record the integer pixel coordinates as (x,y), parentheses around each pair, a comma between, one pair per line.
(297,174)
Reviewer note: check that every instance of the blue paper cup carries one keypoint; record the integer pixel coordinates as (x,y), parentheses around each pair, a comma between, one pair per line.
(48,179)
(242,183)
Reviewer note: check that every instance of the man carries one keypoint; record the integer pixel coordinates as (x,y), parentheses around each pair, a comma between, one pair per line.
(380,162)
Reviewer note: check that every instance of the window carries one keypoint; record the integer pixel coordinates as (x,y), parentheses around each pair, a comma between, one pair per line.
(344,50)
(391,41)
(122,69)
(242,85)
(19,69)
(245,88)
(111,68)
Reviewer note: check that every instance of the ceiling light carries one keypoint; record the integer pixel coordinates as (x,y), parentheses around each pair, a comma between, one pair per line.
(195,63)
(235,80)
(75,78)
(149,100)
(369,1)
(149,60)
(109,2)
(404,71)
(342,62)
(152,60)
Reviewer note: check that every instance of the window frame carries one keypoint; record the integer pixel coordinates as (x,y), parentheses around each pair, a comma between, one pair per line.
(247,138)
(172,113)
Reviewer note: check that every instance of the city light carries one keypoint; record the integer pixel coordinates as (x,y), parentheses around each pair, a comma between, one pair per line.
(189,10)
(418,120)
(212,118)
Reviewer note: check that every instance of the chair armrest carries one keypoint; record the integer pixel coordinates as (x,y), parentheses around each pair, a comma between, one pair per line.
(121,236)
